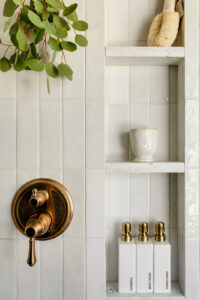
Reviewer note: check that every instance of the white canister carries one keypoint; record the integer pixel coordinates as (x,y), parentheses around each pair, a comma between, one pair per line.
(143,143)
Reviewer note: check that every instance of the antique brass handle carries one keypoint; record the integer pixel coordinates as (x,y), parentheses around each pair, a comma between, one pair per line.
(36,226)
(42,209)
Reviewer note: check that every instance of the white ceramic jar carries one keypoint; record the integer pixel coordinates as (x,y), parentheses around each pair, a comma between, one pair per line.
(143,144)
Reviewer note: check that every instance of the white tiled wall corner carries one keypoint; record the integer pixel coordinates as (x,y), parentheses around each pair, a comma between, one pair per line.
(74,269)
(74,180)
(27,149)
(8,263)
(95,203)
(74,134)
(8,134)
(95,259)
(28,277)
(50,134)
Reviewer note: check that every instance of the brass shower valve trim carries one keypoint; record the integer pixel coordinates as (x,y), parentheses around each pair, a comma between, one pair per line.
(42,209)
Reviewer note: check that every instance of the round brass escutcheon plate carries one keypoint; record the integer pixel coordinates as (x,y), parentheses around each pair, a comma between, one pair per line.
(59,206)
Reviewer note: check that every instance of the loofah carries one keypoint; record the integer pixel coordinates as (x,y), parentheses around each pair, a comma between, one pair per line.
(164,28)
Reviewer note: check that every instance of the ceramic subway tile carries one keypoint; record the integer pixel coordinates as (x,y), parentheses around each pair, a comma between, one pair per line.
(55,174)
(138,22)
(174,254)
(139,84)
(192,133)
(51,261)
(94,203)
(27,126)
(159,199)
(139,199)
(8,134)
(119,197)
(8,263)
(74,134)
(24,175)
(173,84)
(107,196)
(159,118)
(8,92)
(112,255)
(50,135)
(192,203)
(159,84)
(118,85)
(70,90)
(74,269)
(117,22)
(94,135)
(74,181)
(117,132)
(8,188)
(27,85)
(154,8)
(173,195)
(173,132)
(95,67)
(95,279)
(28,280)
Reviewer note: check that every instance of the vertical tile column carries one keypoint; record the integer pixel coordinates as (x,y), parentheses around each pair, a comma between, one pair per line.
(191,233)
(95,243)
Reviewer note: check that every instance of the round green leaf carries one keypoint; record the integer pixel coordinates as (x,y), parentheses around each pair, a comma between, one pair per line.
(18,2)
(20,64)
(22,39)
(39,36)
(35,65)
(56,4)
(69,46)
(49,27)
(65,70)
(54,44)
(9,8)
(80,25)
(51,70)
(70,9)
(81,40)
(61,33)
(35,19)
(60,22)
(38,6)
(5,65)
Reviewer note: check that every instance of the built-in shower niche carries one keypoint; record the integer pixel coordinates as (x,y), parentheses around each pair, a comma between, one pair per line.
(143,97)
(128,21)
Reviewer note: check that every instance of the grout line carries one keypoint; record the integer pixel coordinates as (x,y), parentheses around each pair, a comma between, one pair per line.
(62,178)
(16,146)
(39,163)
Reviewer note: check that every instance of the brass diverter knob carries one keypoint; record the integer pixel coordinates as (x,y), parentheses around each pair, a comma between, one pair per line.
(160,232)
(42,209)
(126,229)
(143,229)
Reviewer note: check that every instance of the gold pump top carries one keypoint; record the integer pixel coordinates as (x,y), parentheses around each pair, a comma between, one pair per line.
(160,232)
(143,229)
(126,235)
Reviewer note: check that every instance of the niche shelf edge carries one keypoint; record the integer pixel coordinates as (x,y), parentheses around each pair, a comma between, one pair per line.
(151,167)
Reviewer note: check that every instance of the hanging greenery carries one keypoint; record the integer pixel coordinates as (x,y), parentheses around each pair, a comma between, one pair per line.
(38,31)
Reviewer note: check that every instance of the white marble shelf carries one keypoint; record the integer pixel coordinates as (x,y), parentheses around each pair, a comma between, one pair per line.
(112,294)
(145,55)
(152,167)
